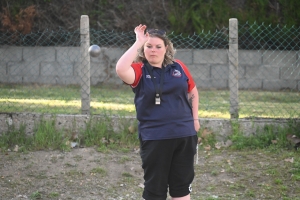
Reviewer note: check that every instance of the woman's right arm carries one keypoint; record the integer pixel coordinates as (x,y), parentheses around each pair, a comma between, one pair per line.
(123,67)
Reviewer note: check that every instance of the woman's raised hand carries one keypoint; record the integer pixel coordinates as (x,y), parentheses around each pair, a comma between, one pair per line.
(140,33)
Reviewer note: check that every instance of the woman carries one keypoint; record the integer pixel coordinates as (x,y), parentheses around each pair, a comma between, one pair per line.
(166,101)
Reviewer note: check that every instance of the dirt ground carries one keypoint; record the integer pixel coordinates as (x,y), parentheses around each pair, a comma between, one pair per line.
(86,174)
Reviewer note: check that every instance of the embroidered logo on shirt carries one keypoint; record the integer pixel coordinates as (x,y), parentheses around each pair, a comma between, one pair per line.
(148,76)
(176,73)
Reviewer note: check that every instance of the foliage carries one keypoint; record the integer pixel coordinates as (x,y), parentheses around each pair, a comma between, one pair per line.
(290,12)
(263,24)
(101,133)
(22,21)
(189,16)
(36,195)
(180,16)
(207,137)
(96,133)
(46,136)
(259,11)
(14,136)
(267,36)
(270,136)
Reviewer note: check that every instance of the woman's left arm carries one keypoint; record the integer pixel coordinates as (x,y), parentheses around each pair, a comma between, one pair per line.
(193,97)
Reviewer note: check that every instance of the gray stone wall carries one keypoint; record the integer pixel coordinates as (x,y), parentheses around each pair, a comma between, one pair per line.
(258,69)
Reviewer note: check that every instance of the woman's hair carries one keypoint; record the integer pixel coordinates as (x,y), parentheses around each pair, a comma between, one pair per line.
(170,51)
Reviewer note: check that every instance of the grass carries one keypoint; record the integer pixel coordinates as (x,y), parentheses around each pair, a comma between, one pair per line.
(252,168)
(270,136)
(112,100)
(99,171)
(105,137)
(46,136)
(36,195)
(102,134)
(251,174)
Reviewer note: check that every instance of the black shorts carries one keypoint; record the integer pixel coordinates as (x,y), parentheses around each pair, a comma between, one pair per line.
(168,164)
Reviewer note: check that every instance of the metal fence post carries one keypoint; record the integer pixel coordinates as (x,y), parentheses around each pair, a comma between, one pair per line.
(84,65)
(233,68)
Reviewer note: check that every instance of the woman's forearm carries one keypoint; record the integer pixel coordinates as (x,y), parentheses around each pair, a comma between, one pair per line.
(123,69)
(194,100)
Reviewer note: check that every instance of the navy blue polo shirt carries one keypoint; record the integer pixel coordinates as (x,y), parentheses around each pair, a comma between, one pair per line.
(173,118)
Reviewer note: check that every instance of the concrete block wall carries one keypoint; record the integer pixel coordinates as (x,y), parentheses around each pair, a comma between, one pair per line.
(258,69)
(262,70)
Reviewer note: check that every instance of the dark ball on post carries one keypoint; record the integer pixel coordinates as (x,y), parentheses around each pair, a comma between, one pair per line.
(94,50)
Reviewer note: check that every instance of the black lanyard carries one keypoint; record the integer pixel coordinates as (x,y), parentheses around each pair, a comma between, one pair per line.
(158,90)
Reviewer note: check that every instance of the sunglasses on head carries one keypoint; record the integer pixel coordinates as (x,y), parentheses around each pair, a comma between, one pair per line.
(156,31)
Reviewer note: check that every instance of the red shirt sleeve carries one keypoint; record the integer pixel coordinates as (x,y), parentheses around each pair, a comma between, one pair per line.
(191,82)
(137,67)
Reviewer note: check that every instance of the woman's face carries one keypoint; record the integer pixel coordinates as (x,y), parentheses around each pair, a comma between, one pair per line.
(155,50)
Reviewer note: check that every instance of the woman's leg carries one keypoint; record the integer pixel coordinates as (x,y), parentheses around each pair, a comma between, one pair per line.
(182,168)
(156,159)
(187,197)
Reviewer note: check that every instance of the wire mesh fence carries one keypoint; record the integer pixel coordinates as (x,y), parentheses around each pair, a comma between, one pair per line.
(245,70)
(272,71)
